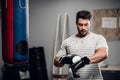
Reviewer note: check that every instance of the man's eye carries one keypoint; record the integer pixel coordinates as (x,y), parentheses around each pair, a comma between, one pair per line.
(85,24)
(80,24)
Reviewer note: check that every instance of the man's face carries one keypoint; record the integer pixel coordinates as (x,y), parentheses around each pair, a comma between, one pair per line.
(83,26)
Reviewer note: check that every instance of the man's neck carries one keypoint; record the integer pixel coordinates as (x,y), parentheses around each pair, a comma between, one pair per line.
(81,36)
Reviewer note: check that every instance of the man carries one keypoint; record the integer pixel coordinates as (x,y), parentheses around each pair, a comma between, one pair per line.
(90,47)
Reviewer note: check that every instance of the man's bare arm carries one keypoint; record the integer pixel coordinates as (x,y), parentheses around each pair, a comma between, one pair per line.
(99,55)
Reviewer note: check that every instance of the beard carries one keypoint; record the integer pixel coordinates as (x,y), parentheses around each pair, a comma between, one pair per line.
(82,33)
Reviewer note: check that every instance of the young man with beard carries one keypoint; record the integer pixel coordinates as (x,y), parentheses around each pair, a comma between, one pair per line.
(83,51)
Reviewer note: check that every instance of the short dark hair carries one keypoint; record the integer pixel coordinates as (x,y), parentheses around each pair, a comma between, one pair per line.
(84,14)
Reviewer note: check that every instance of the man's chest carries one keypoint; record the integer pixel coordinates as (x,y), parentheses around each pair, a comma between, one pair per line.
(79,46)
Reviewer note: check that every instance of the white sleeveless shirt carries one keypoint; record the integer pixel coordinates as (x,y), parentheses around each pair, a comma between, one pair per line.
(85,46)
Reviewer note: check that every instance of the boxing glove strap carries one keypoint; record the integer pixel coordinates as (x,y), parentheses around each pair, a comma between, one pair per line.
(85,60)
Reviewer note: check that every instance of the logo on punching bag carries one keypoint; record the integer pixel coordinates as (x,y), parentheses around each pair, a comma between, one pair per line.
(22,47)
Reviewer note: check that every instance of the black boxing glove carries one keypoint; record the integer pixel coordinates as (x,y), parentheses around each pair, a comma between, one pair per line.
(84,61)
(76,66)
(69,59)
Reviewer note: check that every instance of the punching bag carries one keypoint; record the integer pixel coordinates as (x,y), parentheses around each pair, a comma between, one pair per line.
(15,27)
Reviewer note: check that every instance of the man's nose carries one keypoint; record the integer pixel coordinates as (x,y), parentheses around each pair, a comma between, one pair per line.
(83,27)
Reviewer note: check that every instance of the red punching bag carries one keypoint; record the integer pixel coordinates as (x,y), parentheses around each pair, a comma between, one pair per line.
(7,30)
(15,31)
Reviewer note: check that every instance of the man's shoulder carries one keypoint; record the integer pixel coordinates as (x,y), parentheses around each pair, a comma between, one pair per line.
(97,36)
(69,38)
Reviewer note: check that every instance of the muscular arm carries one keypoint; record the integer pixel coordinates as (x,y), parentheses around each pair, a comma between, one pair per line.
(99,55)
